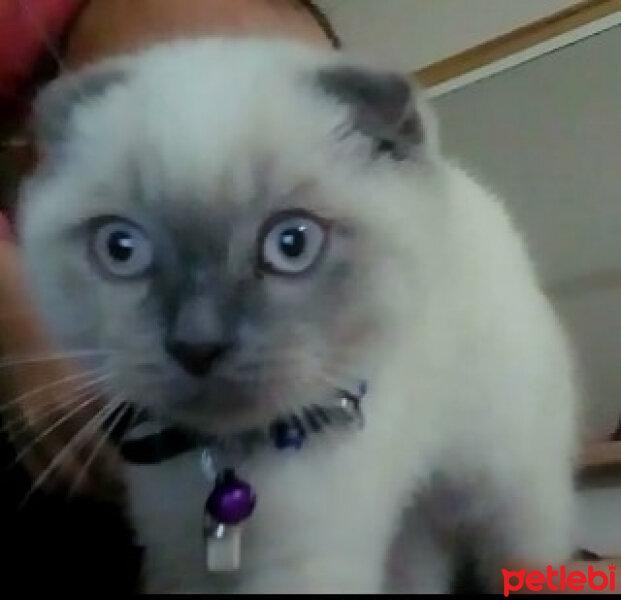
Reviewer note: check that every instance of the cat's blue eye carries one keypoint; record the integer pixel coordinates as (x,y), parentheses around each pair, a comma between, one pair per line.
(291,243)
(121,249)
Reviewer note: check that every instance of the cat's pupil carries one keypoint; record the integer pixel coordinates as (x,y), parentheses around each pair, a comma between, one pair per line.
(293,242)
(120,245)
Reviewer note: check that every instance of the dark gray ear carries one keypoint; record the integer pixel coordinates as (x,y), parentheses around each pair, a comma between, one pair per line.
(382,105)
(55,104)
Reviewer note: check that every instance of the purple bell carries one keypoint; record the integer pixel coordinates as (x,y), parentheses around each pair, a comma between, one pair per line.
(231,501)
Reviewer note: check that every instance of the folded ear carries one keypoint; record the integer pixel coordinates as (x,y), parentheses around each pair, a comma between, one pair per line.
(54,106)
(384,107)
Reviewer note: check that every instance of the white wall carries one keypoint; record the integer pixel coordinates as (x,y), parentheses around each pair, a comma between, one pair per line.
(409,34)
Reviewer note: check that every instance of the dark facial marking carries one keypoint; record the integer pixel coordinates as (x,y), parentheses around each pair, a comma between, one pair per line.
(56,103)
(381,106)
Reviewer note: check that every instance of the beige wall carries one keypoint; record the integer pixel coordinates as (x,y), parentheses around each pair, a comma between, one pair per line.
(409,34)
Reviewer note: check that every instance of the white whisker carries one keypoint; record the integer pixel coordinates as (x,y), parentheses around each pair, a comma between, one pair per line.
(49,386)
(105,436)
(51,406)
(90,399)
(57,405)
(16,360)
(89,428)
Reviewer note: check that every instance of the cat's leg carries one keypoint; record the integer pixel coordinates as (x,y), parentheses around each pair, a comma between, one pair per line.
(420,560)
(324,522)
(529,518)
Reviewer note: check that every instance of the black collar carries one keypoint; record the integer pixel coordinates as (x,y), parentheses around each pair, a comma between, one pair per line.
(150,449)
(170,442)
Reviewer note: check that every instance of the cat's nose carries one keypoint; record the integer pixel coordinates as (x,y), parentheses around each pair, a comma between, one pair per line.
(196,358)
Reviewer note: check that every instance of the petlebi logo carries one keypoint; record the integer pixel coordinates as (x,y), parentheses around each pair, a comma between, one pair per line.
(560,581)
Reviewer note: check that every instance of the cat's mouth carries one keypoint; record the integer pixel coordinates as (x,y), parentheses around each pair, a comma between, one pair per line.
(225,399)
(224,407)
(234,397)
(290,429)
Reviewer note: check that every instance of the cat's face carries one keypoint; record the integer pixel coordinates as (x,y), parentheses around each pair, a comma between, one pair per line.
(209,218)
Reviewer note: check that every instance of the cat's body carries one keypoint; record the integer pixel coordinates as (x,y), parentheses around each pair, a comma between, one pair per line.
(423,289)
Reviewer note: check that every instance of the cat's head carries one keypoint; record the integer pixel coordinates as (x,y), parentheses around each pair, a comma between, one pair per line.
(234,228)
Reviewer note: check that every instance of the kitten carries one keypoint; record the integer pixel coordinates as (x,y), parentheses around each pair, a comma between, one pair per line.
(243,228)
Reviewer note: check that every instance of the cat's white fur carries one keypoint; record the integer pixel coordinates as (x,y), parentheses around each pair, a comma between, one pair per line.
(470,415)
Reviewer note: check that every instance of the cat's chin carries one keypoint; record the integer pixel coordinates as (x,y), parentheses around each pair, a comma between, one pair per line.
(227,410)
(210,423)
